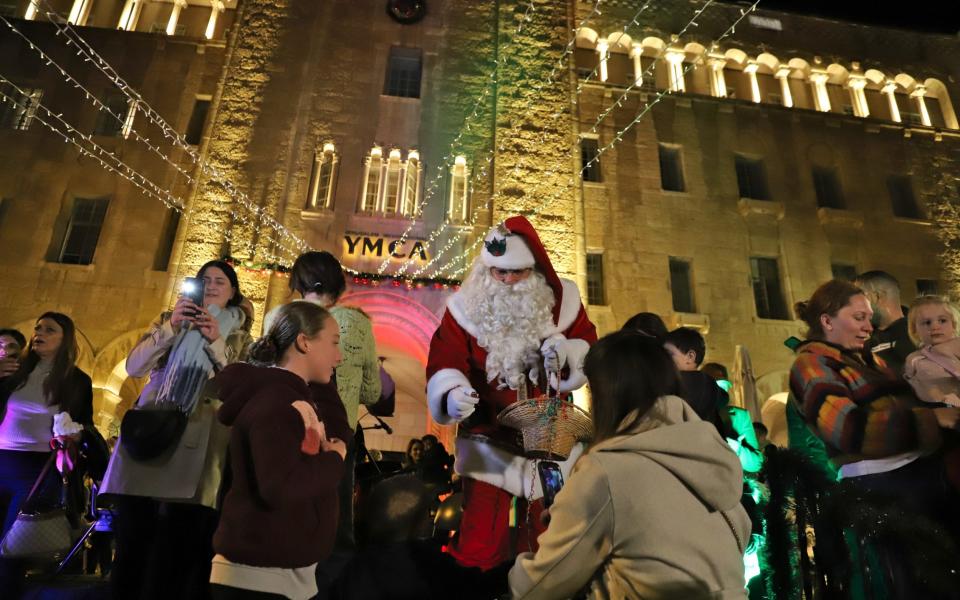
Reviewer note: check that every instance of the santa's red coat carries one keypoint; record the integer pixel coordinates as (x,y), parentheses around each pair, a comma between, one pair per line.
(456,359)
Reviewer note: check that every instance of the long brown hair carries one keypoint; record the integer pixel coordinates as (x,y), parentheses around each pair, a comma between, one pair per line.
(627,371)
(63,363)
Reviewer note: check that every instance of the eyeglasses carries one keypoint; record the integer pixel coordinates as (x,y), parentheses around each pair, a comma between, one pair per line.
(507,272)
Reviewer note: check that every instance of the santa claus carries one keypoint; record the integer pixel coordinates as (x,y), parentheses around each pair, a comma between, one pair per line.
(512,314)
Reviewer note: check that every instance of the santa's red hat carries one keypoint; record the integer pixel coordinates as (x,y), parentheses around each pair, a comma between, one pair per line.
(514,244)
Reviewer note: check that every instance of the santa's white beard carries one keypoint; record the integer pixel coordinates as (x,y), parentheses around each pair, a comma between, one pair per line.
(510,321)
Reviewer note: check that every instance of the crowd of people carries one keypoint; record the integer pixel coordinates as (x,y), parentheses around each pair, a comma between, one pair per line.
(233,475)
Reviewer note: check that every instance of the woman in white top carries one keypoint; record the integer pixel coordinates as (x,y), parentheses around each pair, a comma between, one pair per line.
(47,382)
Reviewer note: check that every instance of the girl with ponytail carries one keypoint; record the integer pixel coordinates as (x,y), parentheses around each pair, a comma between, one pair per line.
(279,515)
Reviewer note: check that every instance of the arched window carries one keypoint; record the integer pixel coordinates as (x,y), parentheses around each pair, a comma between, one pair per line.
(392,187)
(372,177)
(411,184)
(322,178)
(458,209)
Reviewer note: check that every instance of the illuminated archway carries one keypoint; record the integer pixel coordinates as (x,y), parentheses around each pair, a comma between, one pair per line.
(403,328)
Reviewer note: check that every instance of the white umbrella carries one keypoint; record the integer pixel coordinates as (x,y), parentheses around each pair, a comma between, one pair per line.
(745,384)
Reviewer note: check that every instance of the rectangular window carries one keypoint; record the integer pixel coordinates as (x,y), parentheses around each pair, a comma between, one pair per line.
(767,293)
(927,287)
(411,186)
(751,178)
(371,185)
(671,169)
(18,111)
(589,161)
(901,195)
(404,70)
(595,295)
(161,259)
(826,186)
(83,231)
(844,272)
(108,124)
(198,118)
(681,286)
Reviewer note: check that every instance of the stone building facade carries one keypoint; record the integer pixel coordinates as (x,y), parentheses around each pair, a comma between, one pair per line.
(793,149)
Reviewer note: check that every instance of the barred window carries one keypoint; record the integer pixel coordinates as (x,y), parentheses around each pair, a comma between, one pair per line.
(681,286)
(83,231)
(19,107)
(404,71)
(767,292)
(595,292)
(589,160)
(751,178)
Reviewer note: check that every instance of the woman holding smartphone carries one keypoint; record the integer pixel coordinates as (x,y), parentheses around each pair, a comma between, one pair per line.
(166,505)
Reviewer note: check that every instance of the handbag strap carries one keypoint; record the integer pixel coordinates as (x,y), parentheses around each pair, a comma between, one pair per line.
(43,475)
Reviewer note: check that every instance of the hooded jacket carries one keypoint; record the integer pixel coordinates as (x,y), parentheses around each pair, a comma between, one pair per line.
(653,514)
(281,508)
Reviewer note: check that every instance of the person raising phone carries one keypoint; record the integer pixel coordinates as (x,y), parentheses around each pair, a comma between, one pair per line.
(166,505)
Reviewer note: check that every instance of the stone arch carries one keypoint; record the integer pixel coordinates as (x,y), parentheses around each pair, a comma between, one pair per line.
(403,329)
(799,68)
(652,46)
(905,81)
(936,89)
(694,52)
(620,42)
(876,78)
(768,63)
(837,73)
(736,56)
(113,390)
(587,38)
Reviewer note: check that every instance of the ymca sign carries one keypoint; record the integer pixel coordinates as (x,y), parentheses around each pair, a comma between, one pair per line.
(371,246)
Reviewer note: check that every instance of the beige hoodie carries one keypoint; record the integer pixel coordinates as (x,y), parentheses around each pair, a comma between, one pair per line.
(647,515)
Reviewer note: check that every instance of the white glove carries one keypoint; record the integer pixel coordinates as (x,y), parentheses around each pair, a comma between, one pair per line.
(574,381)
(554,354)
(461,402)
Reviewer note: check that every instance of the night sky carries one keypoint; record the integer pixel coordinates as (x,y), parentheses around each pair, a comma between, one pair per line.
(931,15)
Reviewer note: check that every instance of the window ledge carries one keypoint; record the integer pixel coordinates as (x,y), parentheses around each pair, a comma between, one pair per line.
(913,221)
(675,192)
(750,206)
(316,215)
(698,321)
(777,322)
(598,185)
(72,266)
(841,217)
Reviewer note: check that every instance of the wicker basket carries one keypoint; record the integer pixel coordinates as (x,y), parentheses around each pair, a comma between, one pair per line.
(551,427)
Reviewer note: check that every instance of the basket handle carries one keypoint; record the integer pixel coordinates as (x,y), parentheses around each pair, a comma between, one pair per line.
(545,374)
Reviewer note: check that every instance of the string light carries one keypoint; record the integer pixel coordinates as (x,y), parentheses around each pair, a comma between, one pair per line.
(617,138)
(112,163)
(213,173)
(448,160)
(480,173)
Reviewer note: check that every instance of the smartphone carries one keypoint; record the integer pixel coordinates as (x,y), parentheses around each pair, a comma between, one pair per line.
(192,288)
(551,479)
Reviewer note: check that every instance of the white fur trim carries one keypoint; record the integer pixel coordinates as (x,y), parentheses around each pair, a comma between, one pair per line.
(517,256)
(569,309)
(442,382)
(504,470)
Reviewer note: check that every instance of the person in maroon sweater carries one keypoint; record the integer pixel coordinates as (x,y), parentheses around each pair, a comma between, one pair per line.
(279,515)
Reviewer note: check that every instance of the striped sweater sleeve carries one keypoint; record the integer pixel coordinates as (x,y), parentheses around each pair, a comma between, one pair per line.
(877,426)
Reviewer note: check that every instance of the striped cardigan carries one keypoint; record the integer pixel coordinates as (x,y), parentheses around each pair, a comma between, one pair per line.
(857,406)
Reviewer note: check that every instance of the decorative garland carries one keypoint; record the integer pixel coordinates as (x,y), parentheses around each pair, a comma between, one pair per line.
(366,279)
(851,525)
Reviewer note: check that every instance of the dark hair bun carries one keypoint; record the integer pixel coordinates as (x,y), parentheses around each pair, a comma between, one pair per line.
(264,351)
(801,308)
